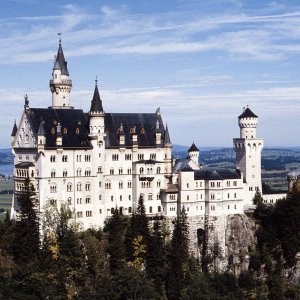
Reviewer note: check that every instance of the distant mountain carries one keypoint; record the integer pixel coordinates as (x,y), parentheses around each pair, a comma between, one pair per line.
(6,157)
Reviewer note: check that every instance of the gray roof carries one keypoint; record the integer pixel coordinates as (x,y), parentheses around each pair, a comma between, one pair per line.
(96,104)
(248,113)
(143,124)
(24,165)
(182,164)
(73,125)
(216,174)
(15,129)
(193,148)
(60,59)
(167,139)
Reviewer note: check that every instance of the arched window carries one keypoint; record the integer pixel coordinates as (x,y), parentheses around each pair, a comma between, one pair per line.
(69,187)
(150,197)
(158,170)
(120,184)
(141,170)
(158,183)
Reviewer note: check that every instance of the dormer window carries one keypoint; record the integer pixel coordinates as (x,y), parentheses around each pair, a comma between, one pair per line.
(142,130)
(77,130)
(65,131)
(53,130)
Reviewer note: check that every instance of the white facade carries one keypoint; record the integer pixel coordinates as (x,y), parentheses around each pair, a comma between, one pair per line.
(97,162)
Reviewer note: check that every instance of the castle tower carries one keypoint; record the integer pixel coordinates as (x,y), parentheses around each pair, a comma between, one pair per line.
(96,114)
(194,154)
(60,84)
(248,154)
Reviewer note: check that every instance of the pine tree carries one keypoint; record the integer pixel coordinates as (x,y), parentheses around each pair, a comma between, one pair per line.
(178,258)
(115,227)
(26,238)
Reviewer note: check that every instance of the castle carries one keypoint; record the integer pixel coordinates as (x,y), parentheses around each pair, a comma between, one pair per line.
(98,161)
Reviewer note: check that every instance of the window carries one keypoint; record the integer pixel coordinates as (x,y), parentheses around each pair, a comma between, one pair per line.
(87,173)
(159,209)
(78,172)
(88,213)
(65,173)
(79,200)
(228,195)
(87,200)
(78,186)
(150,197)
(212,196)
(69,201)
(120,184)
(212,208)
(150,209)
(218,184)
(79,214)
(115,157)
(53,202)
(235,183)
(158,183)
(140,156)
(53,188)
(128,156)
(99,169)
(69,187)
(87,186)
(212,184)
(129,210)
(234,195)
(228,206)
(52,158)
(157,197)
(26,139)
(121,198)
(228,183)
(111,172)
(129,171)
(120,171)
(64,158)
(129,184)
(112,198)
(107,185)
(141,170)
(152,155)
(129,197)
(234,206)
(100,211)
(53,174)
(78,158)
(87,157)
(187,197)
(187,185)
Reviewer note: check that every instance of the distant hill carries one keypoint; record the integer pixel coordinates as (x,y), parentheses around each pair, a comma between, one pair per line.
(6,157)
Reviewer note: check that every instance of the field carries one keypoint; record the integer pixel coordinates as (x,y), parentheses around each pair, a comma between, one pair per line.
(5,198)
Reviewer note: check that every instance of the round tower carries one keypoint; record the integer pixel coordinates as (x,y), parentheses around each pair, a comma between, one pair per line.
(248,154)
(60,84)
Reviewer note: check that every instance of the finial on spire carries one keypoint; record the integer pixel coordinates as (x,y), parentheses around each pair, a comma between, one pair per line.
(96,81)
(59,34)
(26,100)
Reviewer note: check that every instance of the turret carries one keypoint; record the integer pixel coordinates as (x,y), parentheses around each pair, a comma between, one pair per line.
(157,133)
(96,114)
(60,84)
(248,154)
(167,140)
(58,135)
(248,122)
(121,135)
(194,153)
(41,136)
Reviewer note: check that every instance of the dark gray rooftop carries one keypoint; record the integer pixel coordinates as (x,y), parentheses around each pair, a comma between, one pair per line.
(216,174)
(248,113)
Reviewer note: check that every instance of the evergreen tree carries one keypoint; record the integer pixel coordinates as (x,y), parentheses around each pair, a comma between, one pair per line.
(178,273)
(138,226)
(115,227)
(26,237)
(156,258)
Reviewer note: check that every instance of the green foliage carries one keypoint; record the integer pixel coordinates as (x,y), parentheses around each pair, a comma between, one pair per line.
(26,234)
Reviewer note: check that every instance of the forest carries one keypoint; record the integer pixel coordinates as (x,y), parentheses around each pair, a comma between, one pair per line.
(137,258)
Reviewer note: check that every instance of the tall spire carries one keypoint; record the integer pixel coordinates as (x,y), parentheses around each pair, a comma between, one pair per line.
(60,84)
(60,59)
(96,104)
(167,139)
(15,129)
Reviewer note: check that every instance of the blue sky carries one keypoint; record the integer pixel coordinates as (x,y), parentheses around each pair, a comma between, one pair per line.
(200,61)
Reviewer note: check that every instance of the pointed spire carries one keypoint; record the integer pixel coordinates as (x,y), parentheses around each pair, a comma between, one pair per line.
(60,61)
(167,139)
(96,104)
(193,148)
(15,129)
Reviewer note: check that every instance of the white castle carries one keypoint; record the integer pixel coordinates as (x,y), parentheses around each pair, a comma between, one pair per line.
(98,161)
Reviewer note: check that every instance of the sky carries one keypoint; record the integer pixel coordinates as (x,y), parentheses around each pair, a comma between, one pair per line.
(200,61)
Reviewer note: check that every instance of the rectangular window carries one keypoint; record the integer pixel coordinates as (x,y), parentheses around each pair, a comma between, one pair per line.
(88,213)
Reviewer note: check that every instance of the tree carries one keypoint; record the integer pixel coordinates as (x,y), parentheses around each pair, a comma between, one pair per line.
(115,227)
(178,272)
(26,242)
